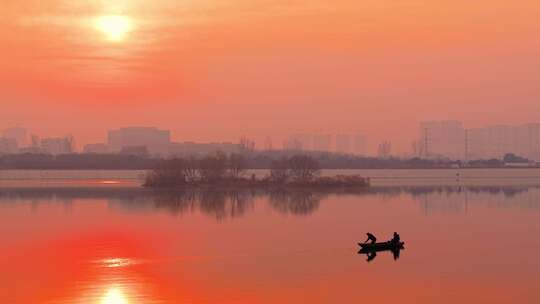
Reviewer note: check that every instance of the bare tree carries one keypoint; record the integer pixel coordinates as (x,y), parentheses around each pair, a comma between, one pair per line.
(280,173)
(213,167)
(169,173)
(268,146)
(303,168)
(191,170)
(246,144)
(237,165)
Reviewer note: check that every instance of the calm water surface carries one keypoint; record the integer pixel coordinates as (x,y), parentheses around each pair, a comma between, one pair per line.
(115,244)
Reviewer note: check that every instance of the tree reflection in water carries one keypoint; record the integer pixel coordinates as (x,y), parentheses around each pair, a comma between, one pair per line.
(299,202)
(223,204)
(227,203)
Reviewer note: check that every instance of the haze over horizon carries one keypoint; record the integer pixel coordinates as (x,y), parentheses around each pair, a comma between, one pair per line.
(215,71)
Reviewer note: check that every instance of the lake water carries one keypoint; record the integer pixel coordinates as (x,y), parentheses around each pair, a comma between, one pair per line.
(115,243)
(400,177)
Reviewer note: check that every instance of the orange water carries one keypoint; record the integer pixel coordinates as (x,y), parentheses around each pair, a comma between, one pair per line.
(118,246)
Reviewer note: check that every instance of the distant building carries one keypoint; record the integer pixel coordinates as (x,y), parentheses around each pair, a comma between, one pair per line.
(18,134)
(385,149)
(155,140)
(499,140)
(528,141)
(35,141)
(57,145)
(8,145)
(343,143)
(359,145)
(99,148)
(322,142)
(141,151)
(449,139)
(442,139)
(293,144)
(31,150)
(304,140)
(476,144)
(268,145)
(199,149)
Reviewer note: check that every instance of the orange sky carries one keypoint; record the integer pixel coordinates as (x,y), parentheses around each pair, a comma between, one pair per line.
(213,70)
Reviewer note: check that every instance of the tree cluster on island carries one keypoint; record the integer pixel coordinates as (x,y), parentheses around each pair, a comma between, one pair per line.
(220,169)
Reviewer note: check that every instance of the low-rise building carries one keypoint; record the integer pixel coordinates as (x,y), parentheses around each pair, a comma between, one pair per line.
(322,142)
(343,143)
(8,145)
(141,151)
(197,149)
(57,145)
(98,148)
(155,140)
(18,134)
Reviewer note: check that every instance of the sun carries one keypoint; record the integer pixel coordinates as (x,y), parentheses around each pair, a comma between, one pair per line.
(115,27)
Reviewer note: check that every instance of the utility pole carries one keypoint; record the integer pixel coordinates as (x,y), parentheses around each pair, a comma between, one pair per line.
(426,142)
(467,145)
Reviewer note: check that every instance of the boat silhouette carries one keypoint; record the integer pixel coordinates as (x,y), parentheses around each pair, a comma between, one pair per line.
(371,249)
(382,246)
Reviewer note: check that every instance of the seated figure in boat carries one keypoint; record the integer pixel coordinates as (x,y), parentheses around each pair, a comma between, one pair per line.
(371,237)
(396,239)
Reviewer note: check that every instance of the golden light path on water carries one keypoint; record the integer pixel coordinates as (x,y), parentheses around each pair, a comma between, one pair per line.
(117,293)
(113,281)
(114,296)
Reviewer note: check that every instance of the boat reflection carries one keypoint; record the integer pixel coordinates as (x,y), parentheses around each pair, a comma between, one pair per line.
(371,253)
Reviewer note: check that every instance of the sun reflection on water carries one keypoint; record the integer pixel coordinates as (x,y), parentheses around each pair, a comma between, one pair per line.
(117,262)
(114,296)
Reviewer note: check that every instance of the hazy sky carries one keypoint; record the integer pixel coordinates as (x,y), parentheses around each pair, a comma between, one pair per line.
(212,70)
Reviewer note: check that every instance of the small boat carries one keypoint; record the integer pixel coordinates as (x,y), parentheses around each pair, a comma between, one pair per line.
(367,247)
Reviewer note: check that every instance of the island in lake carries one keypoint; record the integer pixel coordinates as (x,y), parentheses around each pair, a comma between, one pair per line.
(220,170)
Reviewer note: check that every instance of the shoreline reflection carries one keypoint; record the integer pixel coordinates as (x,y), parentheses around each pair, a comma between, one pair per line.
(234,203)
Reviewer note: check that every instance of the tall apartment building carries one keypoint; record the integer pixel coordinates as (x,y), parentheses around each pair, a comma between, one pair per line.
(322,142)
(359,145)
(57,145)
(305,140)
(498,140)
(18,134)
(450,139)
(344,143)
(8,145)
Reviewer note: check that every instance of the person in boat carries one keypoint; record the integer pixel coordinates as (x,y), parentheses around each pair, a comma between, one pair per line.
(396,239)
(371,237)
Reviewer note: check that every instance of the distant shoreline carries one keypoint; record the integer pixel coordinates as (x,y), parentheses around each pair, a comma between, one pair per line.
(266,169)
(378,177)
